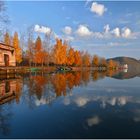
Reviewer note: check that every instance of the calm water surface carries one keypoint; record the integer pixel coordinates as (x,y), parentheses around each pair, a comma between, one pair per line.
(70,105)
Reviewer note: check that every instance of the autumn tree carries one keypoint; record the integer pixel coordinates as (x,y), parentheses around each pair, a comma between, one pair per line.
(7,39)
(103,62)
(38,52)
(57,51)
(86,59)
(71,57)
(95,61)
(60,52)
(18,51)
(63,53)
(112,64)
(77,58)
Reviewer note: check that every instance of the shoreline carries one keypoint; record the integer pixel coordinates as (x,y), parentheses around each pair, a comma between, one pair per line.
(26,69)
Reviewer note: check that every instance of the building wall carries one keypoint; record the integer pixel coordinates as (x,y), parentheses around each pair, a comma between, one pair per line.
(10,53)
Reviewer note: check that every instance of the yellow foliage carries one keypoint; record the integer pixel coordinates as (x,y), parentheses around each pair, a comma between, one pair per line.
(18,51)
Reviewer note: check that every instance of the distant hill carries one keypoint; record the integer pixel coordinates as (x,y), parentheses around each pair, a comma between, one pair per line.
(128,60)
(133,67)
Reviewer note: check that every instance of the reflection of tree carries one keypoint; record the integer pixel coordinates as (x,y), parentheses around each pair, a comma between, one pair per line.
(98,75)
(73,79)
(70,80)
(111,72)
(37,85)
(59,84)
(95,75)
(77,78)
(85,76)
(18,90)
(47,87)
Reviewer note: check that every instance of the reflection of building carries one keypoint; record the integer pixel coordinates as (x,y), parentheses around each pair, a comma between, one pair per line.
(9,90)
(7,55)
(125,66)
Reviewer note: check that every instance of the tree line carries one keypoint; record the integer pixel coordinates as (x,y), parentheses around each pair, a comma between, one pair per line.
(38,53)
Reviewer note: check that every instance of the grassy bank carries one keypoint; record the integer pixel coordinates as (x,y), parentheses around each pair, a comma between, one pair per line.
(25,69)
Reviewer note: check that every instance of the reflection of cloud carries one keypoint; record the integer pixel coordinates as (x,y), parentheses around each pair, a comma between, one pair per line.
(112,101)
(66,101)
(137,119)
(81,101)
(123,100)
(93,121)
(136,115)
(110,90)
(42,101)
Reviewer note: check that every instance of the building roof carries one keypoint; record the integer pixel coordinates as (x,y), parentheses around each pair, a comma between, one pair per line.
(1,43)
(6,47)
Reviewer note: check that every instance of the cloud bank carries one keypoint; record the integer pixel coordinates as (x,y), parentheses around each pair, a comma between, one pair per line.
(107,33)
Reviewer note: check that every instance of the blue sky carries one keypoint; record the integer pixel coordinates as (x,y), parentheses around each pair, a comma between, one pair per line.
(108,29)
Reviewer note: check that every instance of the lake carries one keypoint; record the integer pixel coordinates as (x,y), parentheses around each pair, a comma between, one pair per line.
(82,104)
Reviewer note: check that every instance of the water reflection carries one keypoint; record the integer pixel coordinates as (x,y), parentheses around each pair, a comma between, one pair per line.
(86,101)
(10,89)
(5,116)
(47,87)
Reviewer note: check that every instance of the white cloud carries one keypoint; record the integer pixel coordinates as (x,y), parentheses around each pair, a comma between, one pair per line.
(93,121)
(99,9)
(106,28)
(126,32)
(42,29)
(84,31)
(67,30)
(67,38)
(107,33)
(116,32)
(119,32)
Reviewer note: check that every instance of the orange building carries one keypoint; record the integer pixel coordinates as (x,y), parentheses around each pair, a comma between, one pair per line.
(7,55)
